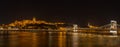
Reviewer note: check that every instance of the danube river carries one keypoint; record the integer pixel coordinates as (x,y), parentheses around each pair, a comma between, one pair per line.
(56,39)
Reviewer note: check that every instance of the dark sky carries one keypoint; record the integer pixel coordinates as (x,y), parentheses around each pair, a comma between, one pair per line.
(69,11)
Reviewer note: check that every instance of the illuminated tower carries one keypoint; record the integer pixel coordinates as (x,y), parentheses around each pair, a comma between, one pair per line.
(75,27)
(34,19)
(113,27)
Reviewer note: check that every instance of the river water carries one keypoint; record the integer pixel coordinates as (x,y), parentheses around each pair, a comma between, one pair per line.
(56,39)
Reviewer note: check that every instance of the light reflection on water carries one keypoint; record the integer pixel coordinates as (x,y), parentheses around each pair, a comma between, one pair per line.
(56,39)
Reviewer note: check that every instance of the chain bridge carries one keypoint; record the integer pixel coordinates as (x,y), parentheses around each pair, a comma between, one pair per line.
(113,27)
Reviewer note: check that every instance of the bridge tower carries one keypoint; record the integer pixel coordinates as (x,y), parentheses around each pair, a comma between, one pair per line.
(113,27)
(75,27)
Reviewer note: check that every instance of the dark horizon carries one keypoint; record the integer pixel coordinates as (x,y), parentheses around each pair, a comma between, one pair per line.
(76,12)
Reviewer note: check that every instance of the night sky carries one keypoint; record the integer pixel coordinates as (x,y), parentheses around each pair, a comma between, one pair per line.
(68,11)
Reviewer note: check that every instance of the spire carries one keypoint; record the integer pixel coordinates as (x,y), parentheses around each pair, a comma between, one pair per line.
(34,19)
(88,24)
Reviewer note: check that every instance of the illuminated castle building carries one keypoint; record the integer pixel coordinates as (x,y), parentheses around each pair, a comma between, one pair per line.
(34,24)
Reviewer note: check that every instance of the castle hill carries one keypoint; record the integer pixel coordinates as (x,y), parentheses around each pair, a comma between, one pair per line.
(34,24)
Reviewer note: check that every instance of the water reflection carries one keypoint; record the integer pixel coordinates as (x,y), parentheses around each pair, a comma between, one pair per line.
(75,39)
(62,39)
(56,39)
